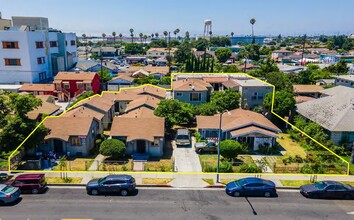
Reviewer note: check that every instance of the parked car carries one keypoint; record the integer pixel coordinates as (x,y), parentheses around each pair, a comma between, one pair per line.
(122,184)
(327,189)
(183,137)
(29,183)
(202,147)
(251,186)
(8,194)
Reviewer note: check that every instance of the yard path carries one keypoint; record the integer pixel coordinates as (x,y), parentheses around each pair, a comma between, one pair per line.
(257,158)
(94,167)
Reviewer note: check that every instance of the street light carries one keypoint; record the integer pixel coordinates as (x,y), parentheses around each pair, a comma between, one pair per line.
(219,140)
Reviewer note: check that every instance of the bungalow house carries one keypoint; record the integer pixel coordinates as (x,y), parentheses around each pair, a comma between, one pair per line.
(141,131)
(193,91)
(48,107)
(334,111)
(278,55)
(120,81)
(106,52)
(156,53)
(241,125)
(72,135)
(100,105)
(345,80)
(307,90)
(69,85)
(216,82)
(38,89)
(142,71)
(94,66)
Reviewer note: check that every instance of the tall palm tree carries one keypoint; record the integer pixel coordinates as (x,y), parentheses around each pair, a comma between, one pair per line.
(253,21)
(131,30)
(157,35)
(120,36)
(114,37)
(103,36)
(232,34)
(145,37)
(141,35)
(210,33)
(175,32)
(152,35)
(187,35)
(165,33)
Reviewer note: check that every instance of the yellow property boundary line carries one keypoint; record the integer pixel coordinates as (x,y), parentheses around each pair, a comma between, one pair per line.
(172,76)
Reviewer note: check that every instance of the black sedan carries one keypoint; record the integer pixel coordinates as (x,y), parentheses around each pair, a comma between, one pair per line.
(251,186)
(327,190)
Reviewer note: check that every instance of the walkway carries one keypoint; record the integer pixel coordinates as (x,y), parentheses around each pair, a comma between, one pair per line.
(94,167)
(258,160)
(186,159)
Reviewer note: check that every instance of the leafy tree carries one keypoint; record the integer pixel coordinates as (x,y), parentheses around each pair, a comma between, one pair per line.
(83,96)
(105,75)
(158,44)
(112,148)
(220,41)
(146,80)
(229,69)
(174,112)
(251,51)
(174,43)
(183,52)
(226,100)
(230,149)
(201,44)
(134,48)
(223,54)
(279,80)
(206,109)
(166,80)
(284,102)
(22,104)
(338,68)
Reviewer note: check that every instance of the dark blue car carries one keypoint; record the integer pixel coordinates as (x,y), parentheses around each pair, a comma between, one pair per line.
(327,190)
(251,186)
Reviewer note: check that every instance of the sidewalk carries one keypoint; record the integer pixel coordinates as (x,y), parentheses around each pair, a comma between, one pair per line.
(94,167)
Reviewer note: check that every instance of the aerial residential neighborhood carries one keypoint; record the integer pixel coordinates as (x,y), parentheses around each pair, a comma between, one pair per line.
(161,112)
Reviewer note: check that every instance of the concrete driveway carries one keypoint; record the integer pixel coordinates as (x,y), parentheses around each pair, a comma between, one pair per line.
(186,159)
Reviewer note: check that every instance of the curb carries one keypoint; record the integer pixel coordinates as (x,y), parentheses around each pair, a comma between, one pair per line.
(81,185)
(279,187)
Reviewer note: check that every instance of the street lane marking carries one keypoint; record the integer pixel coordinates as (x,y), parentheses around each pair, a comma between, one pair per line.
(77,219)
(350,213)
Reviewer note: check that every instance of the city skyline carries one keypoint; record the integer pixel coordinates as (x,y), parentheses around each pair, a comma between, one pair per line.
(272,17)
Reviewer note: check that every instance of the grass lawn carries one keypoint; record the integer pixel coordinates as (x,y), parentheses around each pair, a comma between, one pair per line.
(156,180)
(303,182)
(209,181)
(78,164)
(212,160)
(292,148)
(74,180)
(3,164)
(351,166)
(162,165)
(226,181)
(116,166)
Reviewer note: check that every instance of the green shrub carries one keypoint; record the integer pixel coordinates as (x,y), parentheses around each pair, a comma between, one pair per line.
(112,148)
(229,149)
(249,168)
(226,167)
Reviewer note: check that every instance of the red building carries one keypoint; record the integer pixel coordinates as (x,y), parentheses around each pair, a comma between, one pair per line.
(38,89)
(69,85)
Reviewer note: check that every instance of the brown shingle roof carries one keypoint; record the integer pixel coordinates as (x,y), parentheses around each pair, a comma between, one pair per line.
(146,100)
(138,128)
(301,99)
(230,84)
(87,76)
(307,88)
(191,85)
(47,108)
(164,50)
(215,79)
(250,130)
(83,111)
(37,87)
(141,112)
(64,127)
(237,119)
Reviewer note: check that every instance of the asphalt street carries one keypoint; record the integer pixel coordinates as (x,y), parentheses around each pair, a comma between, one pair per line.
(167,203)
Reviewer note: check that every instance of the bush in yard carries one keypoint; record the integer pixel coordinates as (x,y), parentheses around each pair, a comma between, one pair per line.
(226,167)
(229,149)
(112,148)
(249,168)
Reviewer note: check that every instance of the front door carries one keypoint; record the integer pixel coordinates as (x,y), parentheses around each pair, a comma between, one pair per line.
(140,144)
(58,146)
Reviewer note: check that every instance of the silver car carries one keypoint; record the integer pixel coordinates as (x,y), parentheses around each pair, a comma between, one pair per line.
(8,194)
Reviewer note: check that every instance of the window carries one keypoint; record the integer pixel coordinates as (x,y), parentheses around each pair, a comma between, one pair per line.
(39,44)
(42,76)
(66,85)
(162,53)
(260,96)
(156,142)
(88,86)
(66,43)
(12,62)
(196,96)
(254,96)
(40,60)
(53,44)
(72,43)
(73,54)
(75,141)
(80,85)
(10,44)
(179,94)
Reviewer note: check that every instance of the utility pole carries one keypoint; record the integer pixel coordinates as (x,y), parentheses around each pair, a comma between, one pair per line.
(169,52)
(303,50)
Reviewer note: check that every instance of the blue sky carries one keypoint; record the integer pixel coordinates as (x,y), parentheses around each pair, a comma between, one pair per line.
(286,17)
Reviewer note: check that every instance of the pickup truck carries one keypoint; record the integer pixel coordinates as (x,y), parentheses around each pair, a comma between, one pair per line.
(203,147)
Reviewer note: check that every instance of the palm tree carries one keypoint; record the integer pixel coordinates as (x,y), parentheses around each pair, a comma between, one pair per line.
(114,37)
(176,32)
(210,33)
(141,35)
(187,35)
(152,35)
(104,36)
(165,33)
(145,37)
(232,34)
(253,21)
(120,36)
(131,33)
(157,35)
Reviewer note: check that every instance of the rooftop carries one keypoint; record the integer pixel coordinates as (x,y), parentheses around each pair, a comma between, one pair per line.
(37,87)
(307,88)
